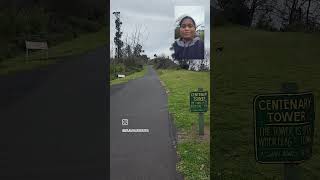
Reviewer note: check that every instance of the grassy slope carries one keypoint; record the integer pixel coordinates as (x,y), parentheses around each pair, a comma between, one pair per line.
(256,62)
(194,152)
(130,77)
(77,46)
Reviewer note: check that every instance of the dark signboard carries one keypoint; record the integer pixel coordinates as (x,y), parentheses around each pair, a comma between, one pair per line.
(199,101)
(284,127)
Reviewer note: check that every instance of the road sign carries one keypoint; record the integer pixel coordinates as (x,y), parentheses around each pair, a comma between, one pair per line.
(121,76)
(36,45)
(199,101)
(284,127)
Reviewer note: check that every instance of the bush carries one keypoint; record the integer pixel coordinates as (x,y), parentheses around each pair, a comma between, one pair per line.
(91,26)
(57,38)
(56,25)
(38,21)
(12,50)
(164,63)
(7,29)
(125,66)
(84,24)
(296,27)
(219,19)
(265,23)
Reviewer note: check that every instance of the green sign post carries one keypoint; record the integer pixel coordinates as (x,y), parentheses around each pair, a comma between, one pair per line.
(284,127)
(199,103)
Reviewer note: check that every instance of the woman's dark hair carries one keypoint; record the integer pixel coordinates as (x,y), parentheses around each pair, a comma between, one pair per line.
(187,17)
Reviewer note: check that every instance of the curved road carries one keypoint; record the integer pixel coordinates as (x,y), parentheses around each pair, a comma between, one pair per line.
(142,155)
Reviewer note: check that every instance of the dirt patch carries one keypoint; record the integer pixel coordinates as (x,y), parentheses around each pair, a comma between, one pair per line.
(174,138)
(206,136)
(193,134)
(163,85)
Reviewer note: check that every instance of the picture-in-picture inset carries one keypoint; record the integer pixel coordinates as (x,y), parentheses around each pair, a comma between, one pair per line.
(189,33)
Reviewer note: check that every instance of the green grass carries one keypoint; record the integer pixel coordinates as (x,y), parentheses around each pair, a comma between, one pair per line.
(257,62)
(194,162)
(130,77)
(193,151)
(83,44)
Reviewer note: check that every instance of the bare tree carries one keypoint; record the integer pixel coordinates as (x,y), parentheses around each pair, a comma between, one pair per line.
(136,40)
(287,15)
(223,4)
(258,8)
(308,12)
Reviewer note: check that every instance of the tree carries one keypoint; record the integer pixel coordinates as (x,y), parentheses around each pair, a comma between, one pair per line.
(137,50)
(292,14)
(137,38)
(117,39)
(235,11)
(128,51)
(223,4)
(263,6)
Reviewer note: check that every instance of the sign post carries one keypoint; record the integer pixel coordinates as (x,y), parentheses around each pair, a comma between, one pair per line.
(291,171)
(284,128)
(36,45)
(201,123)
(199,103)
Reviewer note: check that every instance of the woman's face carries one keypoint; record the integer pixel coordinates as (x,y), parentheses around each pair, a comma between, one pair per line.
(187,29)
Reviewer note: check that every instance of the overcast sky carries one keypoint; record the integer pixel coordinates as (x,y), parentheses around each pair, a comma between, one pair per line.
(156,20)
(196,12)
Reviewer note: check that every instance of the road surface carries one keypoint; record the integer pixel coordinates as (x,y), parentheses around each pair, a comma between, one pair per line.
(57,128)
(144,155)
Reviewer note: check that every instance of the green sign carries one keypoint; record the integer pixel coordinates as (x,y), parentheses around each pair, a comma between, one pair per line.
(284,126)
(199,101)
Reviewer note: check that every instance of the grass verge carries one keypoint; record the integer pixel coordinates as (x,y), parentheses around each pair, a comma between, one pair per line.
(192,150)
(257,62)
(130,77)
(83,44)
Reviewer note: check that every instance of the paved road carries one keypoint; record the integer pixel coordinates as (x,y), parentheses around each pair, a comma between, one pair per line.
(141,156)
(56,130)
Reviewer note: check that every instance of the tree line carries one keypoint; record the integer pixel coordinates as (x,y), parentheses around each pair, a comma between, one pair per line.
(275,15)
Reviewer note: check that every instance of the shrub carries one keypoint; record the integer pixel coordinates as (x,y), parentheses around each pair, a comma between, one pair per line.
(219,19)
(164,63)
